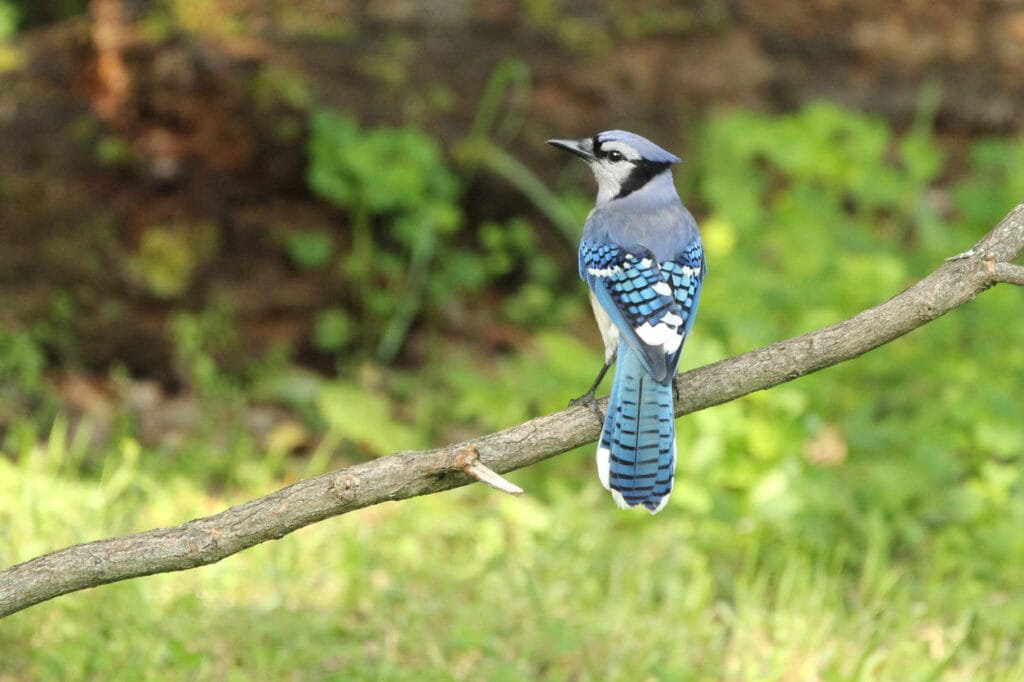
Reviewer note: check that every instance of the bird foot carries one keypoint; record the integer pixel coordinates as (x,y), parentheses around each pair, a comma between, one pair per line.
(589,399)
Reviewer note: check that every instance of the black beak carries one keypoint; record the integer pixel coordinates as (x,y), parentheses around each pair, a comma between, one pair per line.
(580,148)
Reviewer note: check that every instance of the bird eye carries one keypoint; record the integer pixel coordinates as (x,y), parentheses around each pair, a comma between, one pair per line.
(615,156)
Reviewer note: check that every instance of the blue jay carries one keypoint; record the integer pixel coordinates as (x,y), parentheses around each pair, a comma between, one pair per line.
(642,256)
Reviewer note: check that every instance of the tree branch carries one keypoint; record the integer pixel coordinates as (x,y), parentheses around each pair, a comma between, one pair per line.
(1007,273)
(408,474)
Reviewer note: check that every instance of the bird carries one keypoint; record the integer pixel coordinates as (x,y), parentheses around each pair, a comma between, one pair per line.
(642,257)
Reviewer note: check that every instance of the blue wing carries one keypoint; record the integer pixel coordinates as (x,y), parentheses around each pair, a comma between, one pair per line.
(685,275)
(653,304)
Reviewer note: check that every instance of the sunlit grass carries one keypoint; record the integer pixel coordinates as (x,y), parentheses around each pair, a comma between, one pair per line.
(472,585)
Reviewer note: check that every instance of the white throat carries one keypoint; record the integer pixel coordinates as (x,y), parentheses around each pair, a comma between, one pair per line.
(609,184)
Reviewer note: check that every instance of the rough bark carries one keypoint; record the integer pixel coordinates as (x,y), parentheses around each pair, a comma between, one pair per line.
(408,474)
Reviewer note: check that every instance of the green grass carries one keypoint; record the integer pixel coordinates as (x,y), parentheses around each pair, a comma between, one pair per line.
(471,585)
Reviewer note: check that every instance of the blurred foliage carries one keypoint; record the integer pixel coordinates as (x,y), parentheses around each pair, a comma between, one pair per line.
(309,249)
(406,252)
(11,58)
(835,198)
(994,183)
(860,523)
(168,256)
(619,21)
(22,385)
(205,345)
(17,14)
(9,16)
(403,202)
(498,119)
(274,84)
(112,150)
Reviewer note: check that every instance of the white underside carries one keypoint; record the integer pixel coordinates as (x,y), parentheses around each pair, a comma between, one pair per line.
(609,332)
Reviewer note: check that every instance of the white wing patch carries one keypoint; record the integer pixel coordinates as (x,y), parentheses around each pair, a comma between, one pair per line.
(605,272)
(665,334)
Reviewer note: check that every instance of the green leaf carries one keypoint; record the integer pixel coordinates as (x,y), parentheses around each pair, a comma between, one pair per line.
(309,249)
(333,330)
(365,416)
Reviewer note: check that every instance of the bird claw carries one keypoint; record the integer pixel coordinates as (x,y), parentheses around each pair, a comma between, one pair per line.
(589,400)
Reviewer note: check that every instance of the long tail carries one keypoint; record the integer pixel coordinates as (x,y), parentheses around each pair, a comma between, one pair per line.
(636,457)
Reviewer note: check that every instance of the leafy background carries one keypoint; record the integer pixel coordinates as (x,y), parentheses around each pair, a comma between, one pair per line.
(861,523)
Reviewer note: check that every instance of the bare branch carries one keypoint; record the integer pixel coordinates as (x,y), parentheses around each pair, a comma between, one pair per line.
(408,474)
(1007,273)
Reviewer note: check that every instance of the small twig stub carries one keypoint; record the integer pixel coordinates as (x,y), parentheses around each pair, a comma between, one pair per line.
(469,461)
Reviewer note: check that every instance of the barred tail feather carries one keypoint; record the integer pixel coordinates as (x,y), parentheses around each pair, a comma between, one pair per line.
(636,456)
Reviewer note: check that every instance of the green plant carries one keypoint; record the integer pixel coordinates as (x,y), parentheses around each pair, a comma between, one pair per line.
(112,150)
(993,183)
(401,200)
(204,345)
(839,199)
(9,18)
(28,399)
(22,389)
(168,256)
(333,330)
(309,249)
(497,119)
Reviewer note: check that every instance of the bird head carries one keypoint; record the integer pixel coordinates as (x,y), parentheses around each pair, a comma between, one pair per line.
(622,162)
